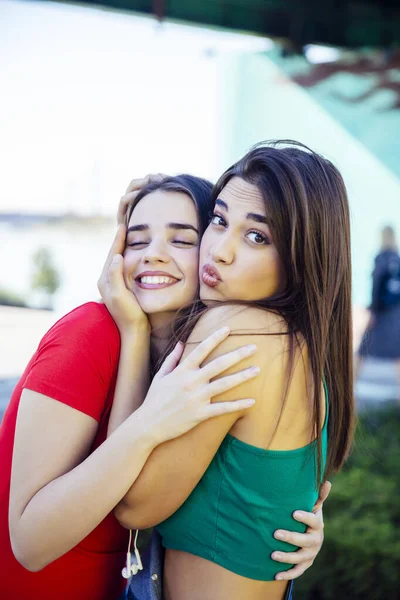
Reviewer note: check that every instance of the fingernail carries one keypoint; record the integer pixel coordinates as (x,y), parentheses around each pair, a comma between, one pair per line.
(280,535)
(251,348)
(249,402)
(224,330)
(278,577)
(117,258)
(254,370)
(276,555)
(298,514)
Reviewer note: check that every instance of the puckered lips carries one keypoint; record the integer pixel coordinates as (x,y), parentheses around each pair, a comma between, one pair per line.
(210,276)
(155,280)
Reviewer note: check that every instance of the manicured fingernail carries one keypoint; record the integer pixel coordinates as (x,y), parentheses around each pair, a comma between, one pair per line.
(280,535)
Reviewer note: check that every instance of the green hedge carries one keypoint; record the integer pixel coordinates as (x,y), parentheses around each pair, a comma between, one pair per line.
(360,558)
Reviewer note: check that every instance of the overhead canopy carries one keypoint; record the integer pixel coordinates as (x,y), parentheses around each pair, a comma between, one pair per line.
(349,23)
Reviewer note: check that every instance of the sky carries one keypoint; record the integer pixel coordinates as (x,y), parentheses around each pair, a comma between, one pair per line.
(92,98)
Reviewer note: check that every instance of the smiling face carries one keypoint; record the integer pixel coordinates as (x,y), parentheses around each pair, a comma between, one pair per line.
(161,254)
(238,259)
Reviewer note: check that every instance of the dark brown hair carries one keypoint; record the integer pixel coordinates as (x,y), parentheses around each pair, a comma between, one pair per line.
(198,189)
(306,202)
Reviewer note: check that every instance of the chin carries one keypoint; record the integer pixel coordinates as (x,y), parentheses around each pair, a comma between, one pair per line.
(208,295)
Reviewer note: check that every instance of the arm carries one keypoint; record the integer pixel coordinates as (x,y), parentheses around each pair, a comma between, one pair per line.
(175,468)
(60,492)
(377,279)
(133,378)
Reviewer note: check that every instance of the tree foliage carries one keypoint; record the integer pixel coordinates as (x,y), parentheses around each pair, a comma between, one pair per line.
(45,277)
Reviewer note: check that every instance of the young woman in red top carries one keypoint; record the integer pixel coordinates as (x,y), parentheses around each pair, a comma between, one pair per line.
(64,466)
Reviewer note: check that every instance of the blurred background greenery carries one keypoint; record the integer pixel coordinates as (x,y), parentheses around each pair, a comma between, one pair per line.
(150,85)
(360,558)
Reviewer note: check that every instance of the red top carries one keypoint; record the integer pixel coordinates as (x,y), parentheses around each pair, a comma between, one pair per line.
(75,363)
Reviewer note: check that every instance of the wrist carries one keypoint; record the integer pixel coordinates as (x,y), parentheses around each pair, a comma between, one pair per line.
(148,430)
(138,330)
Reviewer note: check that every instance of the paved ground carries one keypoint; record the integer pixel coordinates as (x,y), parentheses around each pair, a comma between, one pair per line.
(21,330)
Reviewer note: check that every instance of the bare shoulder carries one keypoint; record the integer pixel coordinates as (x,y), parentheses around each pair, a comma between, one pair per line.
(248,325)
(273,422)
(247,321)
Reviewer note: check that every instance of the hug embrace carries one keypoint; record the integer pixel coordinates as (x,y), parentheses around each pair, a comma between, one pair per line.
(209,396)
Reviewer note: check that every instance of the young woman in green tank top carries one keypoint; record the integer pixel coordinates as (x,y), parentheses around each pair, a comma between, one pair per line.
(276,260)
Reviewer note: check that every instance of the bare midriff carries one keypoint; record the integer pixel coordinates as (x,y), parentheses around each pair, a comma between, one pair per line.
(189,577)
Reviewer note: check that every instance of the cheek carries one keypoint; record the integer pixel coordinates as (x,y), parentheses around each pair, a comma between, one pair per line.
(191,268)
(205,247)
(129,265)
(261,277)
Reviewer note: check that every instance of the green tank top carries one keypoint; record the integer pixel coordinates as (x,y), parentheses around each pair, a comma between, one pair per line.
(243,497)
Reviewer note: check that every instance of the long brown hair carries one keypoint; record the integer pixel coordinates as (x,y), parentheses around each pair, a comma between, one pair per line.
(306,201)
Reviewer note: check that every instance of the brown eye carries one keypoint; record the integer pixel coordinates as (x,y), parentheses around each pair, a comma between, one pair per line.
(218,220)
(258,238)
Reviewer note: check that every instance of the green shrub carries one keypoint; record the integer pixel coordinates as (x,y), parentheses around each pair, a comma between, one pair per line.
(360,558)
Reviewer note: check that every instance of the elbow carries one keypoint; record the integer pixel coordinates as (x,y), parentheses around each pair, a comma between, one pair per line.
(28,559)
(27,554)
(132,518)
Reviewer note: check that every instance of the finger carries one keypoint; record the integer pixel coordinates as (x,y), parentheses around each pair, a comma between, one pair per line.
(313,520)
(293,558)
(157,177)
(123,206)
(324,492)
(137,184)
(222,363)
(224,408)
(199,354)
(117,247)
(115,275)
(171,361)
(231,381)
(294,573)
(303,540)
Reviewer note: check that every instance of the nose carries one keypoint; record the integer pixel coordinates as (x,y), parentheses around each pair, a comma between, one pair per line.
(222,250)
(156,252)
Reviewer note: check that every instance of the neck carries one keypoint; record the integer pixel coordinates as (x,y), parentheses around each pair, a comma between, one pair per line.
(161,332)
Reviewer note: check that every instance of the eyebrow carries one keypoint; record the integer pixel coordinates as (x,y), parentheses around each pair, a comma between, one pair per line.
(171,225)
(138,228)
(253,216)
(182,226)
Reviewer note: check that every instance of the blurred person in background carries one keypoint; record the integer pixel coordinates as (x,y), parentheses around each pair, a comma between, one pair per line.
(65,463)
(217,493)
(382,336)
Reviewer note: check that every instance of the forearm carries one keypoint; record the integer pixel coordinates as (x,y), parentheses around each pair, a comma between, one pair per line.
(171,473)
(67,509)
(133,377)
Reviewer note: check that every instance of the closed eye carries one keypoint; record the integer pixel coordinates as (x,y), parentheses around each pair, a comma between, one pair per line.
(134,244)
(184,243)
